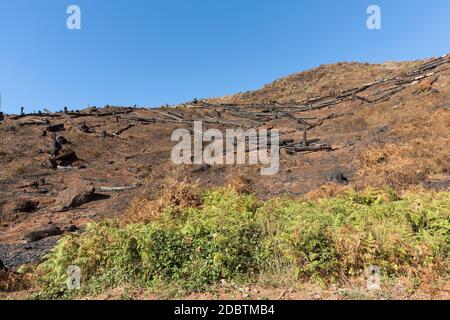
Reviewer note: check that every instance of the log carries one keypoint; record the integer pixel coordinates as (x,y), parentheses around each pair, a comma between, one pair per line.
(65,168)
(168,115)
(326,101)
(37,235)
(310,148)
(64,156)
(115,189)
(215,121)
(119,132)
(32,122)
(55,127)
(104,114)
(82,128)
(145,119)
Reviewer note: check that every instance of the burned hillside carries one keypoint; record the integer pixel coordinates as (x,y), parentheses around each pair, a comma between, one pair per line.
(346,125)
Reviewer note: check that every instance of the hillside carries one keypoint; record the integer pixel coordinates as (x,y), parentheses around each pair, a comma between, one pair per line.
(320,81)
(382,126)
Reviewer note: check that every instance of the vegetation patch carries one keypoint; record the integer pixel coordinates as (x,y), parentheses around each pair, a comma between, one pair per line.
(238,238)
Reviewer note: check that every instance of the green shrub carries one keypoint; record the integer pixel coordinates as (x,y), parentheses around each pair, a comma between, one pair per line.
(237,238)
(339,237)
(193,249)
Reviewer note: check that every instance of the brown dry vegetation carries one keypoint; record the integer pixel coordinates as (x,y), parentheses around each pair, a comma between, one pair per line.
(421,148)
(320,81)
(175,194)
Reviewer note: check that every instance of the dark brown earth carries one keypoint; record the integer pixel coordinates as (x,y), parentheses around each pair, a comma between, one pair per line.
(70,168)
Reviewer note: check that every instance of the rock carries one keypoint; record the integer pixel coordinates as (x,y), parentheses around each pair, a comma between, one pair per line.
(338,178)
(25,205)
(2,266)
(51,231)
(75,196)
(71,228)
(62,141)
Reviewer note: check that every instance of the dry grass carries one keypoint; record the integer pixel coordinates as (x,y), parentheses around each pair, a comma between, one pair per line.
(418,144)
(403,165)
(176,195)
(324,80)
(326,191)
(11,281)
(240,182)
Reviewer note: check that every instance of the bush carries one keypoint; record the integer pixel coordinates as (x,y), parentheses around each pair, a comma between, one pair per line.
(234,237)
(340,237)
(194,248)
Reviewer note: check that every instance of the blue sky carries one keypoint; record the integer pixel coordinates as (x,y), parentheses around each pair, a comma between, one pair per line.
(154,52)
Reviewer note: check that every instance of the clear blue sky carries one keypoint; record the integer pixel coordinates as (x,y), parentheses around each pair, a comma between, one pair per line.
(153,52)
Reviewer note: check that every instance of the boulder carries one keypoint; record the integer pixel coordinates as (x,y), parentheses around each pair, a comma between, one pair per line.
(75,196)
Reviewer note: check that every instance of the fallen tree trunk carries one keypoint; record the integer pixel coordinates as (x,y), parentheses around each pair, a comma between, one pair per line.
(55,127)
(309,148)
(168,115)
(116,189)
(119,132)
(65,156)
(82,128)
(37,235)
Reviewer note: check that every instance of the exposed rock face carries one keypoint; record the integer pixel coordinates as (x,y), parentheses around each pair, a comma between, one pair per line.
(2,266)
(75,196)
